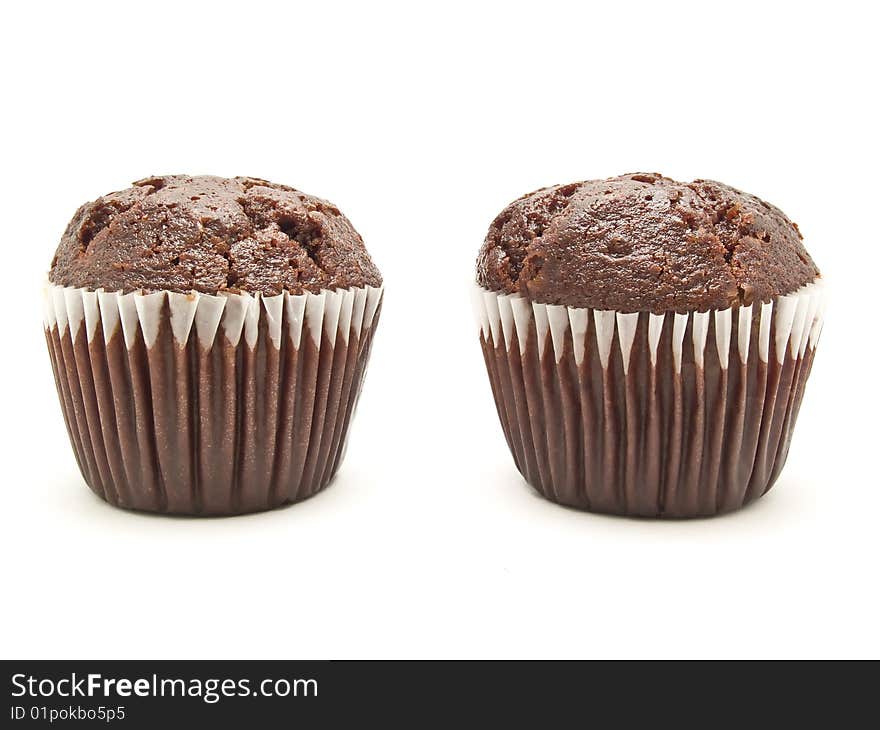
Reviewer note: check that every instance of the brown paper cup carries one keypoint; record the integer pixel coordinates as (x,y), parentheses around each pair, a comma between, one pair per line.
(208,405)
(678,415)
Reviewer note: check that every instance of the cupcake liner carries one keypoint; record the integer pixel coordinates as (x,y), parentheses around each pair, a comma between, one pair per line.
(678,415)
(201,404)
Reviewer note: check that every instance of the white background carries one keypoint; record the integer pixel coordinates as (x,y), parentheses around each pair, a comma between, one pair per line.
(421,124)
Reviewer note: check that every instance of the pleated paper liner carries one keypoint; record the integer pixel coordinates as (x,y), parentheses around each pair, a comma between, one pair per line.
(211,405)
(679,415)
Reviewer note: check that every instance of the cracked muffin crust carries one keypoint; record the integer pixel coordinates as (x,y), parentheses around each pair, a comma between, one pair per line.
(211,234)
(644,242)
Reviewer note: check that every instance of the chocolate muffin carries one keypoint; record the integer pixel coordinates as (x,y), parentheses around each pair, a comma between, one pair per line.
(647,342)
(209,338)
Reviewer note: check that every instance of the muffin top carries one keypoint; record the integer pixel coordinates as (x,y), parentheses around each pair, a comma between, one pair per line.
(211,234)
(644,242)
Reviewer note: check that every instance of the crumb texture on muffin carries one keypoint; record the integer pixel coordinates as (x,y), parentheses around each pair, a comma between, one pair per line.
(644,242)
(211,234)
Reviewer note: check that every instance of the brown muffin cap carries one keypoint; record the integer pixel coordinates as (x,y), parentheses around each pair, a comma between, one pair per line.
(644,242)
(211,234)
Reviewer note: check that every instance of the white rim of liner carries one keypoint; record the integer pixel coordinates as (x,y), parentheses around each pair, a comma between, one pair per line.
(798,322)
(235,314)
